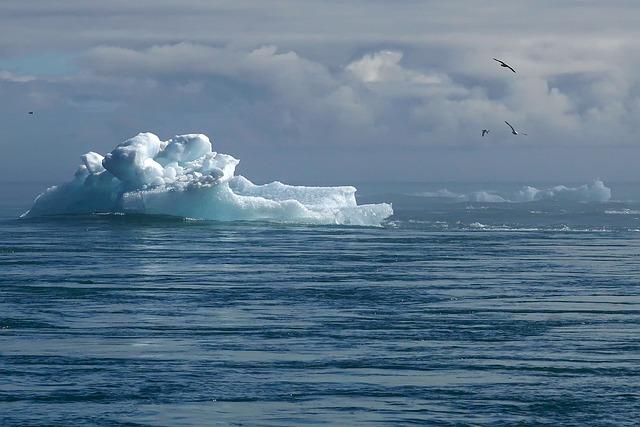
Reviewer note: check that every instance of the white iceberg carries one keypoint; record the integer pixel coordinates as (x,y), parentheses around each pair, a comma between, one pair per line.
(184,177)
(594,192)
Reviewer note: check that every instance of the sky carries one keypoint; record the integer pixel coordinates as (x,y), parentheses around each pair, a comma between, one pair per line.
(328,91)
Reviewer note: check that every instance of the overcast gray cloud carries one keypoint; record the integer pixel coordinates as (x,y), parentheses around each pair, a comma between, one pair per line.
(328,91)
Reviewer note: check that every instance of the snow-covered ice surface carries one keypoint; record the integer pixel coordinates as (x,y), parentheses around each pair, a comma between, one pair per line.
(184,177)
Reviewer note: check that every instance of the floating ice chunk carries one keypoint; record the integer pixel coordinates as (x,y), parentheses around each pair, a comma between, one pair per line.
(216,162)
(186,148)
(132,161)
(486,197)
(85,194)
(625,211)
(184,177)
(526,194)
(220,202)
(477,225)
(595,192)
(93,162)
(443,193)
(314,197)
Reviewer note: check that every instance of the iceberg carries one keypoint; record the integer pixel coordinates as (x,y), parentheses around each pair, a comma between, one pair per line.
(596,192)
(184,177)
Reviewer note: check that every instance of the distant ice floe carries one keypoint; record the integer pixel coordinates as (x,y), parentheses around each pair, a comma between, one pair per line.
(594,192)
(184,177)
(625,211)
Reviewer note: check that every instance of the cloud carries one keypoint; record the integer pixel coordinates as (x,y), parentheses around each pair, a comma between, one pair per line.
(279,90)
(362,76)
(15,78)
(268,93)
(384,66)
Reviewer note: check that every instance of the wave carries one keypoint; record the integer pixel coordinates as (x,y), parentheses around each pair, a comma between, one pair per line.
(594,192)
(506,227)
(477,226)
(183,177)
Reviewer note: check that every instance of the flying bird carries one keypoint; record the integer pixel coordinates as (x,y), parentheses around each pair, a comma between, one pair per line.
(513,131)
(31,113)
(504,64)
(484,132)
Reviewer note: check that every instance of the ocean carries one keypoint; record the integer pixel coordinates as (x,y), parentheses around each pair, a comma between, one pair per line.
(474,304)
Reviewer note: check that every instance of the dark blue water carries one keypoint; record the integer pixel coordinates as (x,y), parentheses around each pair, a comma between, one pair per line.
(453,313)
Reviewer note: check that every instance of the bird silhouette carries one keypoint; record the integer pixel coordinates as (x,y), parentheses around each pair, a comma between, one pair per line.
(31,113)
(504,64)
(513,131)
(484,132)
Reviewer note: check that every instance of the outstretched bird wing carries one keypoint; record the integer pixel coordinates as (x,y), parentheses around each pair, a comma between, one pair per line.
(512,129)
(504,64)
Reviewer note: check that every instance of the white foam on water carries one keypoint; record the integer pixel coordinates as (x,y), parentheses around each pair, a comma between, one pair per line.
(184,177)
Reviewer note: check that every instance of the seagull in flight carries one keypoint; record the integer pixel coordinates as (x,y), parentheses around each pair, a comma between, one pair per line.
(484,132)
(504,64)
(513,131)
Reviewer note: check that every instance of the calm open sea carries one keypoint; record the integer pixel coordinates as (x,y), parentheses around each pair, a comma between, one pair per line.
(454,313)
